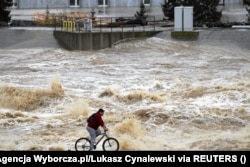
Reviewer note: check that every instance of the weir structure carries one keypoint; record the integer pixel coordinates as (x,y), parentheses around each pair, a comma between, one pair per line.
(102,32)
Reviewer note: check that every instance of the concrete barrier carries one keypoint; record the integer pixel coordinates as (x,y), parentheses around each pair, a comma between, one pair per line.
(96,40)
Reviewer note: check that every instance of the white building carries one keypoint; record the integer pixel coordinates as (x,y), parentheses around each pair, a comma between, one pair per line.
(23,10)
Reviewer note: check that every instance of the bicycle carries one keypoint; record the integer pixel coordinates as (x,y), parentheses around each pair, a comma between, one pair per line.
(109,144)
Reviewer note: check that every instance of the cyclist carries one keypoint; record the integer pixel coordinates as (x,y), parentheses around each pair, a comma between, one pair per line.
(93,127)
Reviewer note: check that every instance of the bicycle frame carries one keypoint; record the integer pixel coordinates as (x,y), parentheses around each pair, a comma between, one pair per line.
(104,134)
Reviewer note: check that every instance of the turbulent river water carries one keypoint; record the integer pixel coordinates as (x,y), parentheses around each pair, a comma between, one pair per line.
(158,93)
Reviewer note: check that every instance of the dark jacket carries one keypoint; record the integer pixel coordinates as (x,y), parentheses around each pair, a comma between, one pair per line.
(96,122)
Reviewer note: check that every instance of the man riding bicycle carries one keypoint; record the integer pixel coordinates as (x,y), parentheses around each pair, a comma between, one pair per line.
(93,127)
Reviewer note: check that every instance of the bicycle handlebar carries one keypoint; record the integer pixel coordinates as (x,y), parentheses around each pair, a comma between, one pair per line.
(105,132)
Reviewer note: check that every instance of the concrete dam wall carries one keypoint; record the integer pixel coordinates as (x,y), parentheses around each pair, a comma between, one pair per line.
(96,40)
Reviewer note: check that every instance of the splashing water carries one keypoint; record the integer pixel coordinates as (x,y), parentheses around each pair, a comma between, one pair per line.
(158,94)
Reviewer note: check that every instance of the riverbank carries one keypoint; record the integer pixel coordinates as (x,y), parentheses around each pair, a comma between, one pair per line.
(22,37)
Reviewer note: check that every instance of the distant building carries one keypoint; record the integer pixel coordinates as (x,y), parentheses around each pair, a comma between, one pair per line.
(23,10)
(38,4)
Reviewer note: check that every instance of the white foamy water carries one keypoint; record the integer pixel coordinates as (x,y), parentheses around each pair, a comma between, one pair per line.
(158,94)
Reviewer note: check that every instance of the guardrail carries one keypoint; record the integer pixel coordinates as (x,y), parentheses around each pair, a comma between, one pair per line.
(106,24)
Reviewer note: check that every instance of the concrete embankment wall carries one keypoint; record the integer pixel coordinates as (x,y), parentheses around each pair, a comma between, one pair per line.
(96,40)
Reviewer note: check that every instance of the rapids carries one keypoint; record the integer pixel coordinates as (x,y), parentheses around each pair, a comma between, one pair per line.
(158,94)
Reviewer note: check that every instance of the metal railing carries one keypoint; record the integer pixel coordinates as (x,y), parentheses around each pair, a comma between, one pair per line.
(104,24)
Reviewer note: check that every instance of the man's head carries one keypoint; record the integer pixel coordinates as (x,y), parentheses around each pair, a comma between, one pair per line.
(101,111)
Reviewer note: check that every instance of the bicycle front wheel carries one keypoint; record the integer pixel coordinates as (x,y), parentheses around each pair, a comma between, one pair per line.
(110,144)
(82,144)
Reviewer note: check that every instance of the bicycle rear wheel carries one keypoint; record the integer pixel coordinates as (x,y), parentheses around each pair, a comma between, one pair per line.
(110,144)
(82,144)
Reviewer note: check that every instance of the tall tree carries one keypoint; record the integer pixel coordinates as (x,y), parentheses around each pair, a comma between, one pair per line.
(168,8)
(141,15)
(4,13)
(205,12)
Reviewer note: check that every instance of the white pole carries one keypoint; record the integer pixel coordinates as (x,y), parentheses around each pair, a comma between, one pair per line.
(104,8)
